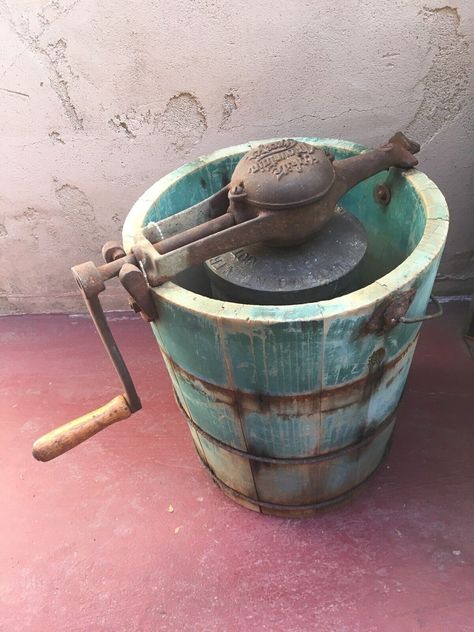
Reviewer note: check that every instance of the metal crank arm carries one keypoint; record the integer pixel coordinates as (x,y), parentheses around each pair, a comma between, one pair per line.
(71,434)
(210,208)
(163,264)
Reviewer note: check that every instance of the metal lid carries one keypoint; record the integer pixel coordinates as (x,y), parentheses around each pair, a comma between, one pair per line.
(322,268)
(283,174)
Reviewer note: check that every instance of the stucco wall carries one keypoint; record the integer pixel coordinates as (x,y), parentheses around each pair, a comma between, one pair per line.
(98,100)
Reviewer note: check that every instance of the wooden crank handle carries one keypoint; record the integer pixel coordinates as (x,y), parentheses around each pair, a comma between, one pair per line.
(66,437)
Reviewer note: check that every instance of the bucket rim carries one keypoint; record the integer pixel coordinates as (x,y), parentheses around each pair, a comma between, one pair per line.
(429,248)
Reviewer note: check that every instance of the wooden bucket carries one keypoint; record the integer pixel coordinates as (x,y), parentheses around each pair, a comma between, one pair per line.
(291,407)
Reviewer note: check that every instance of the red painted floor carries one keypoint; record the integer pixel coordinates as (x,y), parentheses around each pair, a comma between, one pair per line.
(88,543)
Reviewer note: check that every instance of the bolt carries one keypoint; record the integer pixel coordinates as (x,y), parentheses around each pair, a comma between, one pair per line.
(330,155)
(134,306)
(382,194)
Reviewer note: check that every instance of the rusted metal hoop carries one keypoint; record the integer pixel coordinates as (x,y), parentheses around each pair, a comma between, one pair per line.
(307,460)
(289,508)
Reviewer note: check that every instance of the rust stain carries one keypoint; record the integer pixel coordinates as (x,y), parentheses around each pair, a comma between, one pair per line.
(332,398)
(309,499)
(351,449)
(388,313)
(376,372)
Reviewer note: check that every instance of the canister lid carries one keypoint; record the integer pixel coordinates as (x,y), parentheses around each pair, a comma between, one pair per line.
(322,268)
(283,174)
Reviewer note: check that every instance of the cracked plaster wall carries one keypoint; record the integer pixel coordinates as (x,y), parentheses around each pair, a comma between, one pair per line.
(97,103)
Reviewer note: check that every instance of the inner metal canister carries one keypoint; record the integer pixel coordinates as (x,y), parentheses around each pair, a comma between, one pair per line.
(322,268)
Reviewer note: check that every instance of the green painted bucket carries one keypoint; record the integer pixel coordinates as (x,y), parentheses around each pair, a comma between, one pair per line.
(291,407)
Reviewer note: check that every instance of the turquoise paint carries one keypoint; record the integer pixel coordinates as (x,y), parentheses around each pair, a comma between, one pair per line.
(300,375)
(387,395)
(342,426)
(228,467)
(215,417)
(276,359)
(282,435)
(192,342)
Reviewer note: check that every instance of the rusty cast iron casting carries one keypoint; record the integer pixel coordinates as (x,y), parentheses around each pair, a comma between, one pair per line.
(280,194)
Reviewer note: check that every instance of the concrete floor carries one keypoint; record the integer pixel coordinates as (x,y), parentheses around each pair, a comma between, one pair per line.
(88,542)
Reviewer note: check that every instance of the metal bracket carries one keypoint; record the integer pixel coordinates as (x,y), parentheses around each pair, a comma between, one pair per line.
(388,314)
(392,311)
(134,281)
(91,284)
(383,194)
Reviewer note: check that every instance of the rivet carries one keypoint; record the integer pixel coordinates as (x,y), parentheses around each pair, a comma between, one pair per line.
(382,194)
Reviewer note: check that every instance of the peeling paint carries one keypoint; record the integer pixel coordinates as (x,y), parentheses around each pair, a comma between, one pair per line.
(229,105)
(53,56)
(445,85)
(74,203)
(53,10)
(38,223)
(56,137)
(130,123)
(31,214)
(120,125)
(183,122)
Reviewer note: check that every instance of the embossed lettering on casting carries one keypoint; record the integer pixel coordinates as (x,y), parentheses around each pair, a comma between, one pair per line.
(281,158)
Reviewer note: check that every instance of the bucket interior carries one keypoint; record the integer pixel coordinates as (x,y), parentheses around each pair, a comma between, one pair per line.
(393,231)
